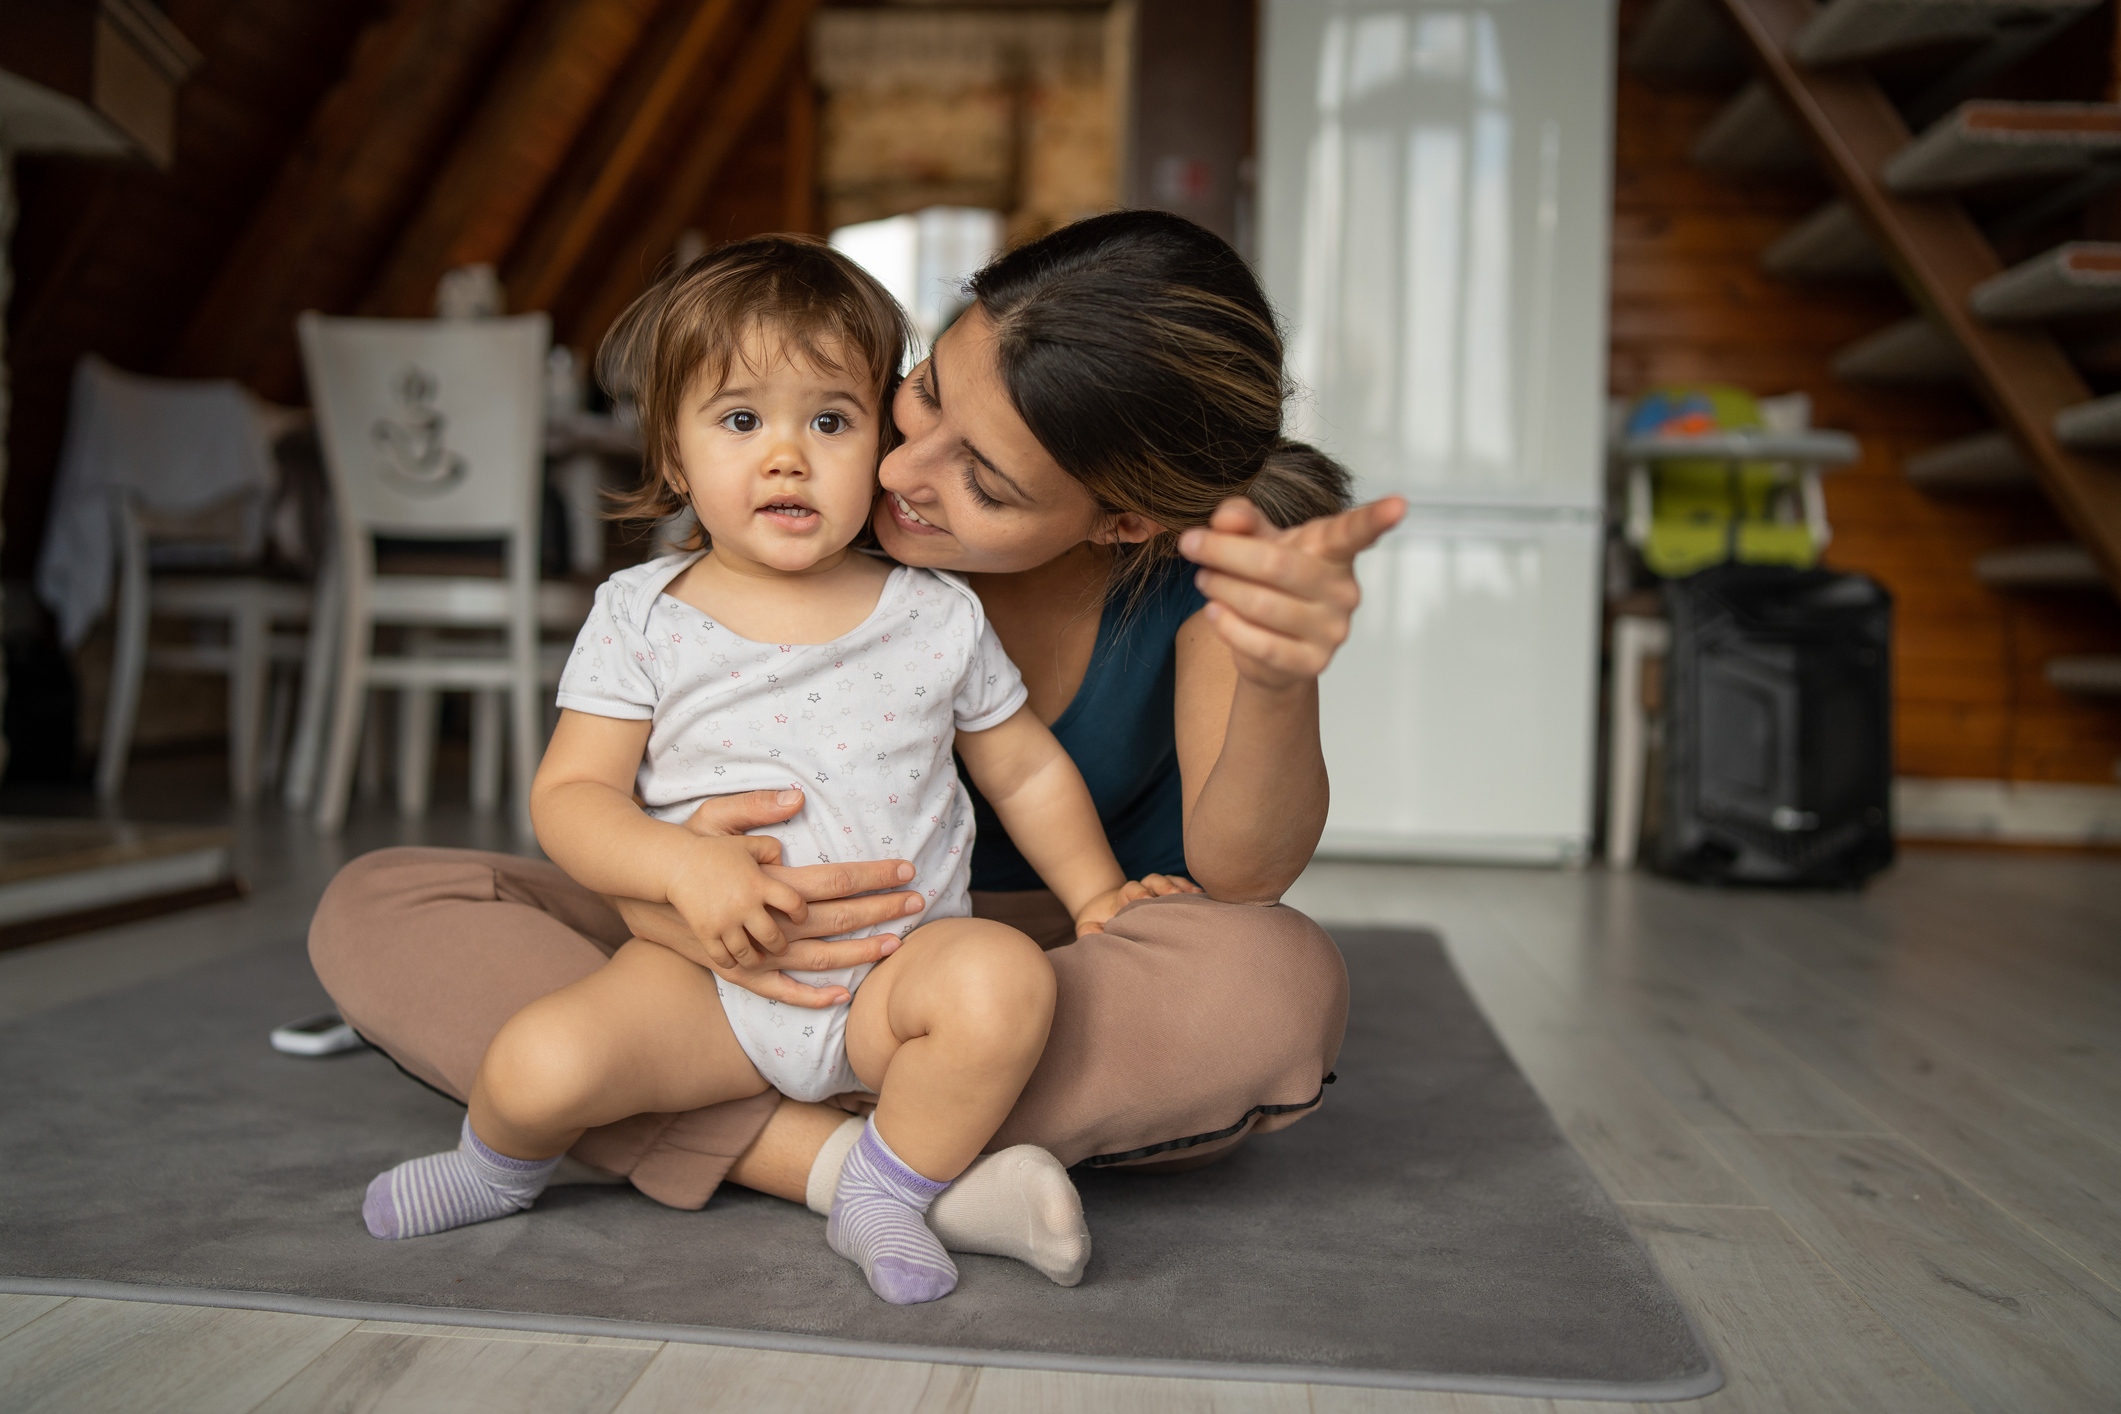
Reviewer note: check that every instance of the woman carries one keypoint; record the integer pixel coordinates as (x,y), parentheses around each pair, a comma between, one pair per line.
(1113,394)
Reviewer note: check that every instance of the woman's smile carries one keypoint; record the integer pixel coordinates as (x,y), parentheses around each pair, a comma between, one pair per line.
(910,519)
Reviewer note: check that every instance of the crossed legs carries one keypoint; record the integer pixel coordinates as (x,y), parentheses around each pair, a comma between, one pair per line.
(947,1031)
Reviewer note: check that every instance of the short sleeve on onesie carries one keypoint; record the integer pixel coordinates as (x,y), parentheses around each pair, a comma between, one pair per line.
(615,670)
(993,690)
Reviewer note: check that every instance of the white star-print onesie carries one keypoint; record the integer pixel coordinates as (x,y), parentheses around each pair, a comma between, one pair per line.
(862,724)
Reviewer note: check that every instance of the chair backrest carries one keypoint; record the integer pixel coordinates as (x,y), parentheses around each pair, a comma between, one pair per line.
(431,429)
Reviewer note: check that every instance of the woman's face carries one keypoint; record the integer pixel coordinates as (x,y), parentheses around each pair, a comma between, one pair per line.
(970,489)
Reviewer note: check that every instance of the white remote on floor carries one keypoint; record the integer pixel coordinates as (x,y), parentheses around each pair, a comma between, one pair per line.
(322,1035)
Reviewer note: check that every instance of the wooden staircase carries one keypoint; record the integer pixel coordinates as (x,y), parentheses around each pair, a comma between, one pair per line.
(1931,180)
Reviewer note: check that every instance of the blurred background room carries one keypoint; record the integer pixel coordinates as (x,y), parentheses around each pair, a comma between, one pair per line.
(1741,697)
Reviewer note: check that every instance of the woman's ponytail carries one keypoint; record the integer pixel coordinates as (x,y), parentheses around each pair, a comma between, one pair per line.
(1297,483)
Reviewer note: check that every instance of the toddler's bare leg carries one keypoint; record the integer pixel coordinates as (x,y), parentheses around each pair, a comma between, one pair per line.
(645,1033)
(946,1031)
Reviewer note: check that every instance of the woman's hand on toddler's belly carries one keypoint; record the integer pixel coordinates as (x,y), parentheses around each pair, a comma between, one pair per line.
(837,898)
(768,976)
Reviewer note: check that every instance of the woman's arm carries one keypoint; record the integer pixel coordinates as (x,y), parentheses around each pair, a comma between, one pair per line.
(1279,603)
(589,823)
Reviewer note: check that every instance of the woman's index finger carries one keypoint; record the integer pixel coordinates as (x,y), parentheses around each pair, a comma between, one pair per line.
(1348,534)
(818,882)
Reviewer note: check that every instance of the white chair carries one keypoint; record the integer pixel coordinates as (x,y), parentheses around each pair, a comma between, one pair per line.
(169,482)
(434,430)
(252,606)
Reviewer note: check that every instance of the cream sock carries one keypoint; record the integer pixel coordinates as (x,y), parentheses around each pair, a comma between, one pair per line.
(1018,1203)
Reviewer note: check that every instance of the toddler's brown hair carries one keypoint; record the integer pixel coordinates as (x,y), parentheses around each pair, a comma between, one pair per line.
(807,299)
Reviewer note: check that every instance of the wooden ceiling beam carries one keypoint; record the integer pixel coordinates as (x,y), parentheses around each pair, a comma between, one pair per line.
(767,50)
(340,195)
(547,90)
(556,244)
(799,169)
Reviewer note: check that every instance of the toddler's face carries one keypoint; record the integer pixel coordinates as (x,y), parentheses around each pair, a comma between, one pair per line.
(780,464)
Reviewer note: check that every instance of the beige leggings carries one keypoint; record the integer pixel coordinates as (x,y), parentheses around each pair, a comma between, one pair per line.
(1186,1026)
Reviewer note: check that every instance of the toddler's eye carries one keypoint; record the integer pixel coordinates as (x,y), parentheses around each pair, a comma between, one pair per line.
(741,421)
(830,423)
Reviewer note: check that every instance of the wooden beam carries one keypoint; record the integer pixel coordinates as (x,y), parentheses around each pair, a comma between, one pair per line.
(799,196)
(340,195)
(2022,374)
(766,52)
(557,244)
(548,87)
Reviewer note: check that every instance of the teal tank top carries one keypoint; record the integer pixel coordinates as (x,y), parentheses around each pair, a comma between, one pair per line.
(1120,732)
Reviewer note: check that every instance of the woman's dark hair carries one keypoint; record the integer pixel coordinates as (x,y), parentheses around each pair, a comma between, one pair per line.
(1142,353)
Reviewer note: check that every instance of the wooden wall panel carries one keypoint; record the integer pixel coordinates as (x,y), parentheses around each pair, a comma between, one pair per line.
(1691,303)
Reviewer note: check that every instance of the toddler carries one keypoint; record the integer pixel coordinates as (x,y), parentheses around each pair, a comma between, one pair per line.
(779,657)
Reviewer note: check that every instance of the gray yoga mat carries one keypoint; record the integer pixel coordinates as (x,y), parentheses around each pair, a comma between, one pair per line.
(1428,1228)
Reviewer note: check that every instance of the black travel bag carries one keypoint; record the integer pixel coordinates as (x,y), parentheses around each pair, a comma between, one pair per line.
(1777,759)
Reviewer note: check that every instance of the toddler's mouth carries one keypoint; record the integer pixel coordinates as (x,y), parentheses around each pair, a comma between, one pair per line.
(794,510)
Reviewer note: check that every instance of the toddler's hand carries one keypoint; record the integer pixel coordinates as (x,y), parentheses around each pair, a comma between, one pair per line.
(1092,916)
(727,898)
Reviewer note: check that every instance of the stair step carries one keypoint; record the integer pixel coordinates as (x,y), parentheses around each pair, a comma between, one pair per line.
(1848,30)
(2064,566)
(1988,140)
(1987,461)
(2090,673)
(2075,278)
(1686,42)
(2091,427)
(1912,351)
(1752,133)
(1831,243)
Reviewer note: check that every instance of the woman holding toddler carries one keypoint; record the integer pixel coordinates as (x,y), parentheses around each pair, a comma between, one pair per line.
(1156,579)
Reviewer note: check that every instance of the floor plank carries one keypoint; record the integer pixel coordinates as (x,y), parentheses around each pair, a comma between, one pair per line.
(1062,1392)
(17,1311)
(1977,1011)
(1346,1399)
(436,1332)
(1789,1333)
(1634,1140)
(686,1378)
(129,1355)
(376,1372)
(2006,1325)
(1736,1035)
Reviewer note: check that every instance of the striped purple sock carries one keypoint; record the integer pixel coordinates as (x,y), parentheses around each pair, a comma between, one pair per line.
(467,1184)
(876,1223)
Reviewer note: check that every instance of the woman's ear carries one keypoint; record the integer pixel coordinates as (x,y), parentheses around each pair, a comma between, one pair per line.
(1126,528)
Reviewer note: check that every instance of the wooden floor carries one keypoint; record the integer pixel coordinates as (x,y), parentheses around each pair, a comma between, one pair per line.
(1873,1141)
